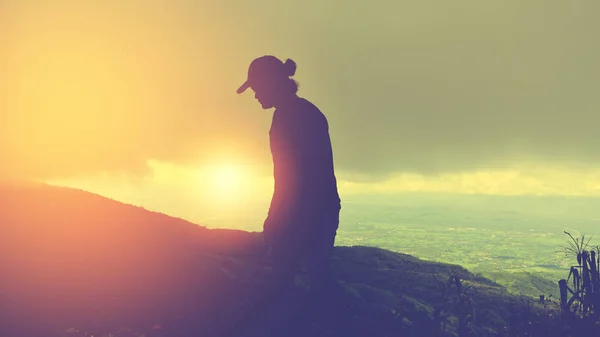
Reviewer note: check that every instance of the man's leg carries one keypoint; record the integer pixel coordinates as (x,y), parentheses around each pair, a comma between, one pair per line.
(281,294)
(319,254)
(285,256)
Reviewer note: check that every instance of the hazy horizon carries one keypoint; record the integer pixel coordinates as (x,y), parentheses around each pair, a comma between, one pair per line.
(574,213)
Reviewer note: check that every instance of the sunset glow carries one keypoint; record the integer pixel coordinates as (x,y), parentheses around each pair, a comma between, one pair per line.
(224,181)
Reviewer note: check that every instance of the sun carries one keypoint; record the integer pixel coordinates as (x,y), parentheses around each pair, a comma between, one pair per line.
(225,180)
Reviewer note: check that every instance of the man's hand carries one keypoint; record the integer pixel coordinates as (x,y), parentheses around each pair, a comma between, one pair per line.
(269,228)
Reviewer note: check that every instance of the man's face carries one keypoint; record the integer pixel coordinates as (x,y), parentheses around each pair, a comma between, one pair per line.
(265,96)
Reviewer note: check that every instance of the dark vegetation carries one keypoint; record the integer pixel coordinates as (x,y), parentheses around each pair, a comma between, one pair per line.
(72,263)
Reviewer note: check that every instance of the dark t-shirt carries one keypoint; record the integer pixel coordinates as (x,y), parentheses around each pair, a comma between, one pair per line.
(305,183)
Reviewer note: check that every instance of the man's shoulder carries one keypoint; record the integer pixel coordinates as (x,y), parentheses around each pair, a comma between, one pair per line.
(309,111)
(307,105)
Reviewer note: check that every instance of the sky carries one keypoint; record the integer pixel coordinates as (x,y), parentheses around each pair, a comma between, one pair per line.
(137,99)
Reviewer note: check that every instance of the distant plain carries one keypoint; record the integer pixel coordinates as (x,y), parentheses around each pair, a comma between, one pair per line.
(505,238)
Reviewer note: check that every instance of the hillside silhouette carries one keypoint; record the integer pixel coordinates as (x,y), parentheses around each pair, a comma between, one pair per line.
(74,262)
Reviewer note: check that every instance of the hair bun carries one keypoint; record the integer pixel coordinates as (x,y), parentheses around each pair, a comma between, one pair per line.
(289,67)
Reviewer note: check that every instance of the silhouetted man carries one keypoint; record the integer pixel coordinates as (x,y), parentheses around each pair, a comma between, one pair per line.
(304,213)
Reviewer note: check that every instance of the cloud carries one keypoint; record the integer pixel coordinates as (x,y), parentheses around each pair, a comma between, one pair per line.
(427,88)
(510,182)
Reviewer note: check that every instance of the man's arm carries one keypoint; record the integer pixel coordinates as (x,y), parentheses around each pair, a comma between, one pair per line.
(309,139)
(286,173)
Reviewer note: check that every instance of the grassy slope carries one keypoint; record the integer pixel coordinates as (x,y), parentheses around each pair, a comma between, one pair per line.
(78,259)
(526,283)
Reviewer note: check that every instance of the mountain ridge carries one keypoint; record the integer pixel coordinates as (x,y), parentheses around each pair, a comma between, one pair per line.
(74,259)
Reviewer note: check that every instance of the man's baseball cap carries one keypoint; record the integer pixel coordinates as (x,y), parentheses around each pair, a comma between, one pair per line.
(262,68)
